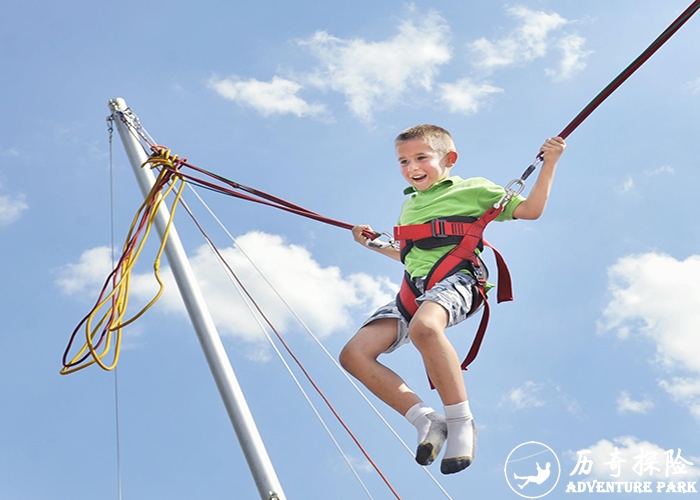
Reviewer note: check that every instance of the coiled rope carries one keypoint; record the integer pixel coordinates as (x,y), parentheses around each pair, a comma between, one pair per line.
(103,333)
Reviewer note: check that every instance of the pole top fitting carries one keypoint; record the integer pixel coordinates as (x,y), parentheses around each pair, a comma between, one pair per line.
(117,104)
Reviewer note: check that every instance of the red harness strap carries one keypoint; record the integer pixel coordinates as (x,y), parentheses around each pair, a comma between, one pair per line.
(462,256)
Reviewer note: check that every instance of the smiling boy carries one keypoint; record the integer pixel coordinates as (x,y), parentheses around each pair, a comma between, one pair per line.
(426,154)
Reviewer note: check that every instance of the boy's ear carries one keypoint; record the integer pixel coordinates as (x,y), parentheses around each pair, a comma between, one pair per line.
(452,157)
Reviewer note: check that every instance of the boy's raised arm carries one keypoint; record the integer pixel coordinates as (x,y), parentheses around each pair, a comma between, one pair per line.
(534,205)
(362,240)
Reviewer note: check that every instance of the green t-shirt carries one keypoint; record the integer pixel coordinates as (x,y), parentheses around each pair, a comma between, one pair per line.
(450,197)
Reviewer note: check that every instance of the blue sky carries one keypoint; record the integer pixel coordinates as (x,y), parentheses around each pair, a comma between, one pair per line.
(598,351)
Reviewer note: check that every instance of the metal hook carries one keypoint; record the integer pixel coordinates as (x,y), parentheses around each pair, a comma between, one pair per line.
(377,243)
(510,192)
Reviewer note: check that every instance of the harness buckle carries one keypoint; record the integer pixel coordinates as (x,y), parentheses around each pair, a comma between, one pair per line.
(480,276)
(479,271)
(437,228)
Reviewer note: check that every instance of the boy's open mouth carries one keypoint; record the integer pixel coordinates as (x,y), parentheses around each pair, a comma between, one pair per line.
(419,178)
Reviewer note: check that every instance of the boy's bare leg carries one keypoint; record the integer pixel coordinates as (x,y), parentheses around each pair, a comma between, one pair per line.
(427,332)
(359,357)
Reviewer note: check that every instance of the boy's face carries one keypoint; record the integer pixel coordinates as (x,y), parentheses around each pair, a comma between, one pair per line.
(421,165)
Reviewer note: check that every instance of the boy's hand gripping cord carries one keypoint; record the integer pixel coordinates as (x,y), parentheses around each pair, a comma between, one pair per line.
(374,241)
(607,91)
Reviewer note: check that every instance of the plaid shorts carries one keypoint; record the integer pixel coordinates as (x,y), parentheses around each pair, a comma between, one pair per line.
(455,293)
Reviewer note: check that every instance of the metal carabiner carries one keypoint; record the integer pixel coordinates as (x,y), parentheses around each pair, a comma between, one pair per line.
(520,183)
(510,192)
(377,243)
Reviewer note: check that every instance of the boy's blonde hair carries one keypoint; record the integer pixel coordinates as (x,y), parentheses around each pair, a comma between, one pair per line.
(437,137)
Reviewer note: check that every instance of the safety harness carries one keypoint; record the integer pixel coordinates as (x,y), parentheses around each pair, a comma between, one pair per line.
(467,234)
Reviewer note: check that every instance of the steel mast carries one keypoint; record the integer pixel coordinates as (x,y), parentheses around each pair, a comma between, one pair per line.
(249,438)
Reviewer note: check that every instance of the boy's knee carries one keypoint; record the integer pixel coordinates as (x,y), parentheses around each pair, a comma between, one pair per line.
(428,323)
(347,357)
(352,357)
(420,332)
(366,346)
(423,329)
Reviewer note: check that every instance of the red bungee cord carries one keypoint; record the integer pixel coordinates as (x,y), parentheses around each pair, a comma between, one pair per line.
(621,78)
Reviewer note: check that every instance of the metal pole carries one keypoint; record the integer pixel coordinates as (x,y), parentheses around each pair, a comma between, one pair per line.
(249,438)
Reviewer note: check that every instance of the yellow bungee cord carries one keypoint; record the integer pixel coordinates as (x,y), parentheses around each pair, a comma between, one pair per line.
(99,330)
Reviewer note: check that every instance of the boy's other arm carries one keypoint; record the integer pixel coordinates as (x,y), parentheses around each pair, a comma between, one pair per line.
(534,205)
(362,240)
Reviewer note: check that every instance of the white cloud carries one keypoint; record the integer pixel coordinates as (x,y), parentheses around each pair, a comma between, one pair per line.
(466,96)
(630,459)
(527,42)
(572,61)
(11,208)
(321,296)
(538,394)
(695,86)
(657,297)
(375,74)
(627,185)
(278,96)
(665,169)
(685,391)
(525,396)
(326,300)
(88,274)
(625,404)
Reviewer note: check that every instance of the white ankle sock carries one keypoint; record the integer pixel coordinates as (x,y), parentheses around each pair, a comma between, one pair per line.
(432,432)
(461,438)
(416,415)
